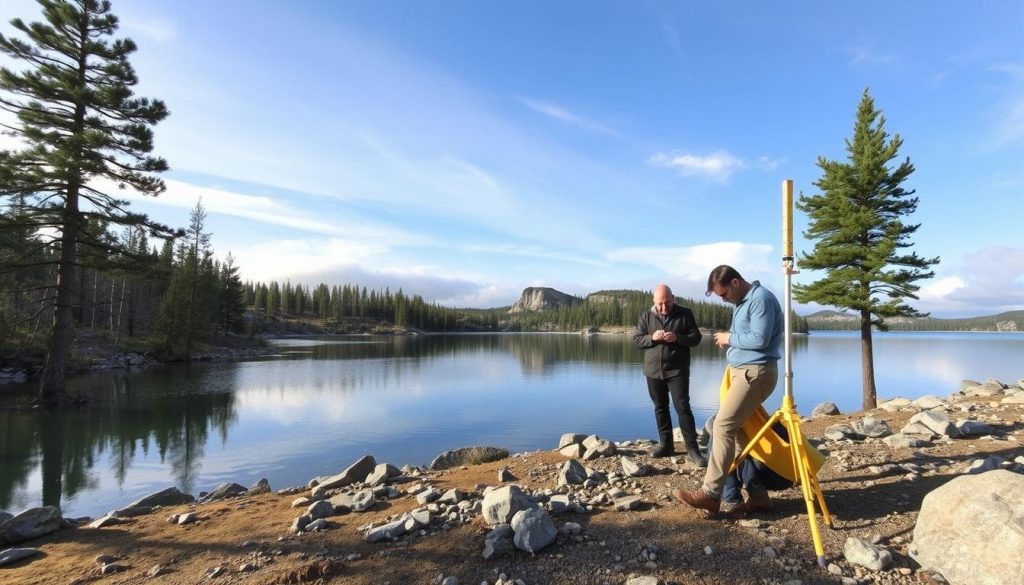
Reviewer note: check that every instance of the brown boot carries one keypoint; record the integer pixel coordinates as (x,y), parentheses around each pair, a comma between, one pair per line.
(698,499)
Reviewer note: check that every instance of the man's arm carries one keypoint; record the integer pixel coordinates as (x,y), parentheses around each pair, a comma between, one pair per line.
(691,335)
(641,335)
(763,318)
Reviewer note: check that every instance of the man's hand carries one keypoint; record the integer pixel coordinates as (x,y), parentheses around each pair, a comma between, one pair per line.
(722,339)
(670,337)
(658,335)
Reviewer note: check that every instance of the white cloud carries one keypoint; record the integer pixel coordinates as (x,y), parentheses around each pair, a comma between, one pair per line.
(564,115)
(769,164)
(987,281)
(865,53)
(696,262)
(266,210)
(151,28)
(718,165)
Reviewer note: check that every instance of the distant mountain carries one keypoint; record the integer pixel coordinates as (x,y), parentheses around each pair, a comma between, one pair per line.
(835,320)
(541,298)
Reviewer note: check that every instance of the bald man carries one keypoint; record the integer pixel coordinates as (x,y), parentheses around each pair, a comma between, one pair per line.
(666,333)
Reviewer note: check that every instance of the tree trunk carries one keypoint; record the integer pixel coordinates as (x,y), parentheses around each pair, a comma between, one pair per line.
(51,390)
(867,363)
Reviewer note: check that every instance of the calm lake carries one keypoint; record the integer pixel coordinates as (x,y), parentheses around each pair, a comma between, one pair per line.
(319,403)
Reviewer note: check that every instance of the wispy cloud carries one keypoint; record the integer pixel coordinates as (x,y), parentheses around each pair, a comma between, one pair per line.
(695,262)
(268,210)
(866,53)
(562,114)
(150,28)
(769,164)
(992,278)
(718,166)
(1009,125)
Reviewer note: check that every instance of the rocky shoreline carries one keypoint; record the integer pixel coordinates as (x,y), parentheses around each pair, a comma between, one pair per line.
(587,511)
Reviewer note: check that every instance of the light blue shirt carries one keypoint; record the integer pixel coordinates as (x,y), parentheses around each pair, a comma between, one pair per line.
(755,336)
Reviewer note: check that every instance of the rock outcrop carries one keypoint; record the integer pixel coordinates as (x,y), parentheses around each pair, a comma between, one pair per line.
(970,529)
(538,298)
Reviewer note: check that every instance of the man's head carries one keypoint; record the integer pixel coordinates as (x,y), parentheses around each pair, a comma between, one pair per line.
(727,283)
(663,299)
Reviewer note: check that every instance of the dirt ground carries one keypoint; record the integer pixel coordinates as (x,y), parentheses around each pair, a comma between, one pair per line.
(250,538)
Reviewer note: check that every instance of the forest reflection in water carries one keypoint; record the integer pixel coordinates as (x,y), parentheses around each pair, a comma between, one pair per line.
(317,403)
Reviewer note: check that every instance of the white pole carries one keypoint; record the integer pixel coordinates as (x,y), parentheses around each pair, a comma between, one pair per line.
(787,271)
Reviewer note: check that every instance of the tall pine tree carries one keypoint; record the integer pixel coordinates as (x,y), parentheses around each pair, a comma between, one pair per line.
(857,223)
(84,133)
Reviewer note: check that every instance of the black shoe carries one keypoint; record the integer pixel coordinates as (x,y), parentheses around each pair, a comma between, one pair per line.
(662,450)
(698,459)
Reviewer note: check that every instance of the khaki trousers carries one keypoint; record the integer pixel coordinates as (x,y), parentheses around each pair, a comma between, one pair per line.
(749,386)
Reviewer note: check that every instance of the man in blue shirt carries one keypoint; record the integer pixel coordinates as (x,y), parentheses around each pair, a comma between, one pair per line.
(753,349)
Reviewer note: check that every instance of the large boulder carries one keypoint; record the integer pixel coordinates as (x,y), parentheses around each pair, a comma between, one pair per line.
(171,496)
(467,456)
(501,504)
(353,473)
(222,492)
(533,529)
(970,529)
(31,523)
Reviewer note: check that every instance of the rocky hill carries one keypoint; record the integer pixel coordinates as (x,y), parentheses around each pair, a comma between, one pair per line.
(1007,321)
(540,298)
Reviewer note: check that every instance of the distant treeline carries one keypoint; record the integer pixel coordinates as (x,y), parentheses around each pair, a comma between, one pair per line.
(1008,321)
(334,304)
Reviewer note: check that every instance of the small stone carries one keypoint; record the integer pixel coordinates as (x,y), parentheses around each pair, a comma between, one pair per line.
(157,570)
(708,550)
(111,568)
(215,572)
(104,559)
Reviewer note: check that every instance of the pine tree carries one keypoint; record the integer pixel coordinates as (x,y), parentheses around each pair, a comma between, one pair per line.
(84,133)
(857,223)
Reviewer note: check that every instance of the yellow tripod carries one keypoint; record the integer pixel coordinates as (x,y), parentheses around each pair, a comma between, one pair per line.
(804,470)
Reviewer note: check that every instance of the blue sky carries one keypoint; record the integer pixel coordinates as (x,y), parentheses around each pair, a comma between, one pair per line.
(464,150)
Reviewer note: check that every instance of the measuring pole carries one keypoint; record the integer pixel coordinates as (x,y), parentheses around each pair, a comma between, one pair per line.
(787,271)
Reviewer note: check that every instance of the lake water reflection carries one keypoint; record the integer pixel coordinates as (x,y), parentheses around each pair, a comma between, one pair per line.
(318,403)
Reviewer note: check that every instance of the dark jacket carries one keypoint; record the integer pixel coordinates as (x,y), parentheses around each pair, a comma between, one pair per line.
(667,360)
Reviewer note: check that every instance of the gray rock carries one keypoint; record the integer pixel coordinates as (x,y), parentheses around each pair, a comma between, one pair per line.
(428,495)
(501,504)
(559,504)
(223,492)
(467,456)
(928,402)
(260,487)
(321,509)
(533,529)
(450,581)
(601,448)
(573,451)
(381,474)
(498,541)
(105,521)
(627,503)
(633,468)
(967,383)
(13,555)
(171,496)
(571,473)
(894,404)
(570,439)
(861,552)
(300,502)
(31,523)
(187,518)
(644,580)
(901,441)
(590,441)
(318,525)
(871,426)
(157,570)
(1015,398)
(825,409)
(360,501)
(353,473)
(969,529)
(505,475)
(937,422)
(452,496)
(841,431)
(973,428)
(111,568)
(300,523)
(386,531)
(917,429)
